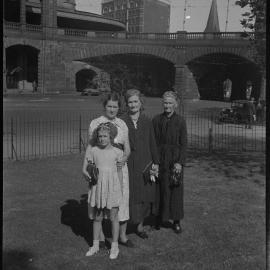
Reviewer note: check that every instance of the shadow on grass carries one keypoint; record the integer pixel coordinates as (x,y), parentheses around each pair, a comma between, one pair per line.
(17,260)
(74,214)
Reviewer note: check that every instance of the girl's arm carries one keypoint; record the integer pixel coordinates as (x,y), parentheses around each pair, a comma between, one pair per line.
(85,161)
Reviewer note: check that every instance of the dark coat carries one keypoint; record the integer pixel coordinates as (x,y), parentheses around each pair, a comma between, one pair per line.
(171,139)
(143,150)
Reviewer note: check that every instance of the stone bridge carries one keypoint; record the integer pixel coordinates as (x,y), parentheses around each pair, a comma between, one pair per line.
(62,53)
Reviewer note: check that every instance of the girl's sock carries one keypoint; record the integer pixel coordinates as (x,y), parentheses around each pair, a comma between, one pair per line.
(96,244)
(94,249)
(114,250)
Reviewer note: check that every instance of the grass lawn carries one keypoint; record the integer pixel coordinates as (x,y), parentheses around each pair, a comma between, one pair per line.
(45,224)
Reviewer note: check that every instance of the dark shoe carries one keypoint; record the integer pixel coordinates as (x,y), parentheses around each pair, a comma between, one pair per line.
(128,243)
(177,228)
(157,226)
(142,234)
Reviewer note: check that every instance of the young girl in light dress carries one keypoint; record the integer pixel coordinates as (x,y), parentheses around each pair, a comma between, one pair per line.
(106,195)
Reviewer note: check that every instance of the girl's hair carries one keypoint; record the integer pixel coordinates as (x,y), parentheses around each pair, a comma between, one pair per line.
(134,92)
(113,96)
(109,127)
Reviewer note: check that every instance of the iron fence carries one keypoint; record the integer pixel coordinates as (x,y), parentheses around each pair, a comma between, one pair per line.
(66,134)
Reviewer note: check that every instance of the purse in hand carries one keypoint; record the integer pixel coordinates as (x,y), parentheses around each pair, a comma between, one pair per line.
(176,179)
(93,173)
(146,172)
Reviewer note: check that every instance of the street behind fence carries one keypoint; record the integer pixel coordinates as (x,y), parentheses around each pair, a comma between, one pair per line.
(68,133)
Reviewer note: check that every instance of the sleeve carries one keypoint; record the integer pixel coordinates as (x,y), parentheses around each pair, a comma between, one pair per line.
(91,129)
(153,145)
(182,142)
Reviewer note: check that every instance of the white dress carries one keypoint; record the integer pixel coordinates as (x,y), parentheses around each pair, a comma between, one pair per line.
(122,136)
(107,192)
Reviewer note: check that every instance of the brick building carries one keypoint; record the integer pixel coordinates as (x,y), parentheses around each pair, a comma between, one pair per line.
(30,26)
(141,16)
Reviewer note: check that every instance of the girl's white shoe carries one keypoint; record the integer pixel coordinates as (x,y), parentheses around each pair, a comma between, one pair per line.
(92,250)
(114,252)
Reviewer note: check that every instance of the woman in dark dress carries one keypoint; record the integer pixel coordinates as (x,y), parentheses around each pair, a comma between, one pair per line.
(171,138)
(142,192)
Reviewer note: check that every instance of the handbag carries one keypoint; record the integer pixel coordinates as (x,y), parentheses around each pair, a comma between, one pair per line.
(146,172)
(149,174)
(93,173)
(176,179)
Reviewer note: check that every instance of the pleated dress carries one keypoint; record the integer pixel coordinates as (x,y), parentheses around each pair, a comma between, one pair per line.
(107,193)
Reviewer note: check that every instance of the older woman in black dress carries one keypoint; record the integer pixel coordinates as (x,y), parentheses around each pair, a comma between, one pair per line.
(142,192)
(171,137)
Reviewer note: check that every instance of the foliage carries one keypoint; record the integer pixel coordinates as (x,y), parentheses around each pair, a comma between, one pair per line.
(255,20)
(120,76)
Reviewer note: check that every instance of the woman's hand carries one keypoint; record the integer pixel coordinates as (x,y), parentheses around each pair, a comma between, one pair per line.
(121,162)
(177,167)
(155,167)
(154,172)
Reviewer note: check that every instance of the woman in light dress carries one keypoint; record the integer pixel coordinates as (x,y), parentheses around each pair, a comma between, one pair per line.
(111,107)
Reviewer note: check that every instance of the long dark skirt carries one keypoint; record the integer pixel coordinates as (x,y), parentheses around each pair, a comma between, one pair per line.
(171,199)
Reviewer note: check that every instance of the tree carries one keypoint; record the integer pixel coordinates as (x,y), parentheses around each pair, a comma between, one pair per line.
(255,20)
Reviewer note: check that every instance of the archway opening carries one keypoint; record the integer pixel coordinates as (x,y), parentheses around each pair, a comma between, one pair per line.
(21,66)
(211,70)
(150,74)
(84,79)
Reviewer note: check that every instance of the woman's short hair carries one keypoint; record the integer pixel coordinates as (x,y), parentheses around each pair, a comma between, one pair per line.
(109,127)
(113,96)
(134,92)
(171,94)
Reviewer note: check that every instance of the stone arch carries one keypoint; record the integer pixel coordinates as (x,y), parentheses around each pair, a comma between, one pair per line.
(77,66)
(211,67)
(21,63)
(169,54)
(25,42)
(201,51)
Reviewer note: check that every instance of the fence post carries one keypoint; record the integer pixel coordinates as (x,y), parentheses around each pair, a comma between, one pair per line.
(80,134)
(11,131)
(210,140)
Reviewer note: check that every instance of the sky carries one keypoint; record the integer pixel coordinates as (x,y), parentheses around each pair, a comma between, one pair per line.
(197,10)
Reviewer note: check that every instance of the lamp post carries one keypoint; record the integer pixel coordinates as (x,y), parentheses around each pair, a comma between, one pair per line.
(227,15)
(184,20)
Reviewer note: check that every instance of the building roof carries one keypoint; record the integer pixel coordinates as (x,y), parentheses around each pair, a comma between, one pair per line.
(213,22)
(82,19)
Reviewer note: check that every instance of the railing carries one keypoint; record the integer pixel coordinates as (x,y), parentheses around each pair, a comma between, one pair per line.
(76,33)
(55,136)
(12,25)
(33,28)
(181,35)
